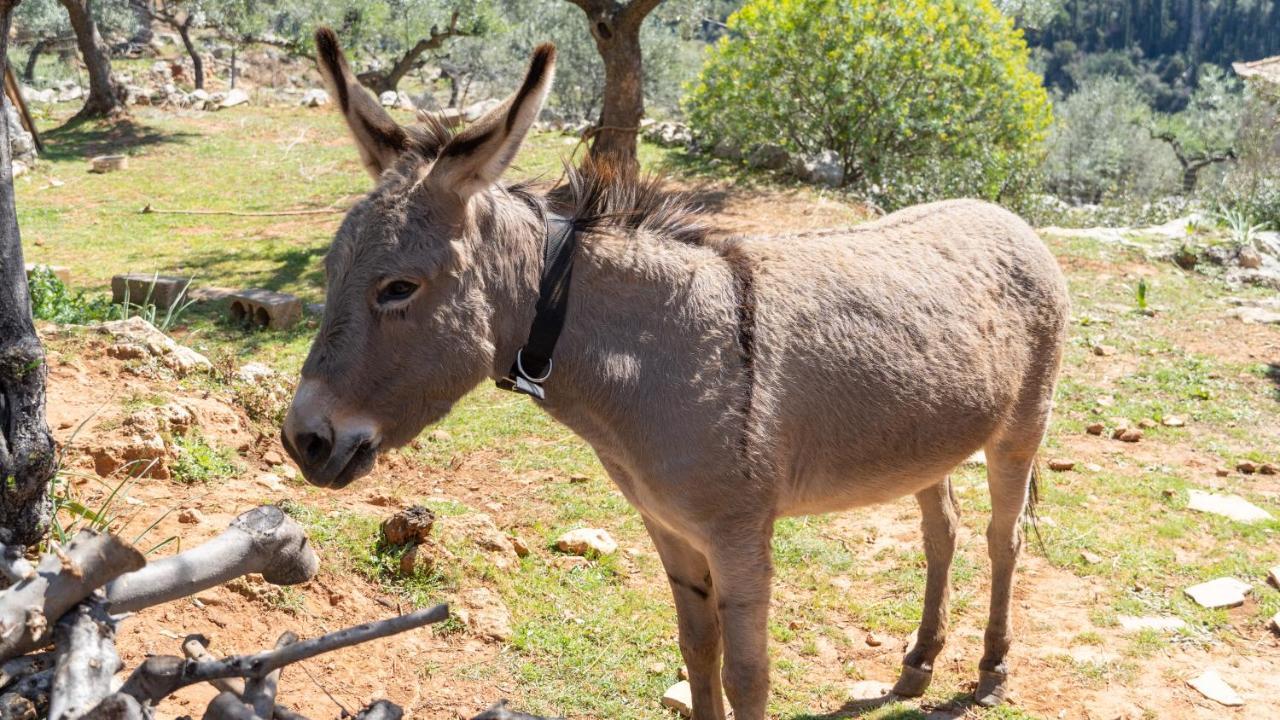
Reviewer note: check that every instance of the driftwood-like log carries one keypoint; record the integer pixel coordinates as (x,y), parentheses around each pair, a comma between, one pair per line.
(34,689)
(195,647)
(261,692)
(13,670)
(381,710)
(263,540)
(86,647)
(228,706)
(161,676)
(29,609)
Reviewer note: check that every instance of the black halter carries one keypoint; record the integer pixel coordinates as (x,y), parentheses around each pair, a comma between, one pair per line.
(533,361)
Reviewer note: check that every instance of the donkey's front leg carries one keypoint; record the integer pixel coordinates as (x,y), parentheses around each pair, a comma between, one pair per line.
(695,596)
(742,570)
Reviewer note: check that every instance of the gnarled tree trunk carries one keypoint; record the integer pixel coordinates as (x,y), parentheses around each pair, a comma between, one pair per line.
(197,64)
(102,100)
(381,82)
(616,29)
(26,448)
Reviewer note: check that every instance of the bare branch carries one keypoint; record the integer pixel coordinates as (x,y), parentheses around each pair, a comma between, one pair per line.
(20,667)
(62,579)
(13,566)
(117,707)
(381,710)
(227,706)
(261,692)
(263,540)
(195,647)
(87,660)
(162,675)
(499,711)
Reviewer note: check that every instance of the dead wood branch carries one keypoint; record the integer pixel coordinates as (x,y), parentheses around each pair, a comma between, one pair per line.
(118,707)
(261,692)
(62,579)
(163,675)
(13,670)
(263,540)
(86,649)
(381,710)
(195,647)
(228,706)
(148,210)
(13,566)
(33,689)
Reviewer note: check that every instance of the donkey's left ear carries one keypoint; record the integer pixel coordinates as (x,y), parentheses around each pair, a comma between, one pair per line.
(477,157)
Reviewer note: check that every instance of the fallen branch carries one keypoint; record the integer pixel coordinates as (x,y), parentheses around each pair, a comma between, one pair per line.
(162,675)
(261,692)
(195,647)
(148,210)
(87,660)
(62,579)
(117,707)
(263,540)
(381,710)
(13,566)
(228,706)
(20,667)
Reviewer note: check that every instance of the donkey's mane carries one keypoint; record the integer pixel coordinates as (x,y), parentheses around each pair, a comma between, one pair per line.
(598,196)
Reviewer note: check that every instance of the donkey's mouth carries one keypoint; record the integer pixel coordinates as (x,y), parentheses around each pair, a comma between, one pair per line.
(345,464)
(360,464)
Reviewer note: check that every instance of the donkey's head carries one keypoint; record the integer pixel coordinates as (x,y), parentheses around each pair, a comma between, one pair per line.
(408,323)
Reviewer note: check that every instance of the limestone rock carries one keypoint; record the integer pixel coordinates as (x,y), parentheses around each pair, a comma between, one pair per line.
(1222,592)
(234,97)
(138,332)
(315,97)
(1229,506)
(1211,685)
(679,697)
(587,540)
(479,529)
(191,516)
(411,525)
(484,613)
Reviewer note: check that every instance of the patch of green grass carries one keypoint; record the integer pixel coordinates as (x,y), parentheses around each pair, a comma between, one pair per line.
(198,461)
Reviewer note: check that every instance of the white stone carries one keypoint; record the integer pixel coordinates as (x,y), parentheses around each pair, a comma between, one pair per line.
(234,97)
(1222,592)
(1273,576)
(476,110)
(138,332)
(1230,506)
(1211,685)
(585,540)
(485,614)
(199,94)
(1129,623)
(869,690)
(253,373)
(270,481)
(389,98)
(679,697)
(315,97)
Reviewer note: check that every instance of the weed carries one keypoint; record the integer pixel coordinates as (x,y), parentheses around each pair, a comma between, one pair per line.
(1142,295)
(52,300)
(150,312)
(200,462)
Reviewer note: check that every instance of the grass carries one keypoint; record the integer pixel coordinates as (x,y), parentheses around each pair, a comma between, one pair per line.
(588,639)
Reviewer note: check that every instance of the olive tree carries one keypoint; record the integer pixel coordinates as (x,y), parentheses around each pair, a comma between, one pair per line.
(917,99)
(102,100)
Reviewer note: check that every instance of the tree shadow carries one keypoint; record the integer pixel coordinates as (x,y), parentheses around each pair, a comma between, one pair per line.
(1273,374)
(292,266)
(81,138)
(951,709)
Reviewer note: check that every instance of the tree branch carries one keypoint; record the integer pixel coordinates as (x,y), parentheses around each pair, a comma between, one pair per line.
(87,659)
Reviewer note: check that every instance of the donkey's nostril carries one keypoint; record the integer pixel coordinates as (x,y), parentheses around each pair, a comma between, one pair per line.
(315,449)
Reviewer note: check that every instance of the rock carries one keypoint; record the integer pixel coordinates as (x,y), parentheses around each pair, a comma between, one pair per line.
(198,95)
(108,163)
(411,525)
(418,559)
(175,418)
(439,436)
(1090,557)
(1129,435)
(1249,258)
(450,117)
(1222,472)
(869,690)
(19,168)
(71,93)
(1095,428)
(1146,423)
(1129,623)
(1266,469)
(1060,465)
(1275,623)
(1273,577)
(234,97)
(726,150)
(478,528)
(679,697)
(587,540)
(272,457)
(1229,506)
(1222,592)
(1211,685)
(270,481)
(315,97)
(138,332)
(389,98)
(484,613)
(476,110)
(1103,350)
(1093,467)
(825,168)
(191,516)
(769,157)
(874,640)
(518,544)
(253,373)
(1173,421)
(1246,467)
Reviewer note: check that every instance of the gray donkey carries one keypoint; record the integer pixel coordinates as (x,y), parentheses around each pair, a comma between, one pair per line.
(722,383)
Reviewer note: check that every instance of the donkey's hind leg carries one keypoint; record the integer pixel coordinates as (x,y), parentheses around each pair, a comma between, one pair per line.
(1009,468)
(938,523)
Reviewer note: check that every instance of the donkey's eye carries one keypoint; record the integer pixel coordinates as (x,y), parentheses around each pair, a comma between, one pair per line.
(395,291)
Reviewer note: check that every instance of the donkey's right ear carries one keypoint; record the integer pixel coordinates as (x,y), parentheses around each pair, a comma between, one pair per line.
(379,138)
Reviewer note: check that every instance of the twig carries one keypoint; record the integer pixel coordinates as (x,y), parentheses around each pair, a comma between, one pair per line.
(20,667)
(195,647)
(162,675)
(228,706)
(261,692)
(148,210)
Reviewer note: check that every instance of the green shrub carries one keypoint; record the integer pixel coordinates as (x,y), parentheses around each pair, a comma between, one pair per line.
(199,462)
(919,99)
(51,300)
(1251,187)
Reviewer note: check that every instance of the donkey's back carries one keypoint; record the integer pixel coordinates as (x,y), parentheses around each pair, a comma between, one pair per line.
(890,352)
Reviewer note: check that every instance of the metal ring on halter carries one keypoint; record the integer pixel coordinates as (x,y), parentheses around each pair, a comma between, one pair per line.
(525,373)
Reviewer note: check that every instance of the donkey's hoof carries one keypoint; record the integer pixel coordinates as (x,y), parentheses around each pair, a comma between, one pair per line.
(912,682)
(991,688)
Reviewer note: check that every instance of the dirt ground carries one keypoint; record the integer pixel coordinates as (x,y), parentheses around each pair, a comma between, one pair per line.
(1070,659)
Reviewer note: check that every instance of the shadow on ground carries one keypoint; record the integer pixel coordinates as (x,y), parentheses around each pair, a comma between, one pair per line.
(79,139)
(1273,374)
(952,709)
(292,266)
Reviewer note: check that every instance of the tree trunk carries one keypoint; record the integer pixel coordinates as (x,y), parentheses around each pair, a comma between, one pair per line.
(616,29)
(142,15)
(29,70)
(197,65)
(26,448)
(102,100)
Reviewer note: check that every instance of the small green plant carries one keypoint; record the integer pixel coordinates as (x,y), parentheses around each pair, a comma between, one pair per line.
(52,300)
(1244,233)
(148,310)
(200,462)
(1142,295)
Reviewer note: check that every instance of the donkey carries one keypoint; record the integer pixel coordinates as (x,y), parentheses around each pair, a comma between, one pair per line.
(722,383)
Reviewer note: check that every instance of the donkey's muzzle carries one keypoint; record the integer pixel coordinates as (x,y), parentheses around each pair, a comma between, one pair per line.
(329,464)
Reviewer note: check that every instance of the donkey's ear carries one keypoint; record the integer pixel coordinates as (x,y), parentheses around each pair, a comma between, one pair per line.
(476,157)
(379,139)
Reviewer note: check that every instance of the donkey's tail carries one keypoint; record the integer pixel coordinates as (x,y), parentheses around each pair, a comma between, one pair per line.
(1030,515)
